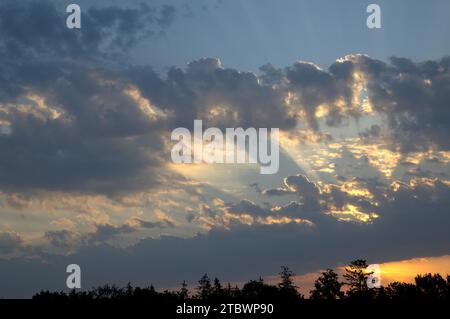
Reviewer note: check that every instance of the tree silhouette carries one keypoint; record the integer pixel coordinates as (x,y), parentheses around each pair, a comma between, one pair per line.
(356,278)
(447,292)
(401,291)
(217,290)
(258,289)
(431,286)
(327,286)
(184,292)
(204,289)
(232,292)
(286,285)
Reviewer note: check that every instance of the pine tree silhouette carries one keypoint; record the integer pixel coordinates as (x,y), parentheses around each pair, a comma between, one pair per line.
(204,289)
(184,292)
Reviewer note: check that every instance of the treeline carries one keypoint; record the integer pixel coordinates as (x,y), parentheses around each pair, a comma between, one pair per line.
(327,286)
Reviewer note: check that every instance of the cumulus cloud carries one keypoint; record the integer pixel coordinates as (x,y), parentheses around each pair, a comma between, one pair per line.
(91,143)
(414,98)
(94,129)
(222,97)
(77,127)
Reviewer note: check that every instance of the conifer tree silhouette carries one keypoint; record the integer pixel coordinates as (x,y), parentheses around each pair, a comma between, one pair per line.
(286,285)
(204,289)
(184,292)
(356,278)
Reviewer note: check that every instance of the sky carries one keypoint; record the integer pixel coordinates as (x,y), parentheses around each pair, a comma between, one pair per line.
(86,117)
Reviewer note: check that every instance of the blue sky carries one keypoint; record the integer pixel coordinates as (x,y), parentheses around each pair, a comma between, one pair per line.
(248,34)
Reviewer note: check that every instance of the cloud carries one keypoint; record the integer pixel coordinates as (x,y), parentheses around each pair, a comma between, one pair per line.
(414,98)
(67,242)
(63,241)
(222,97)
(96,129)
(80,133)
(414,223)
(84,136)
(10,242)
(314,87)
(299,184)
(247,207)
(30,28)
(77,126)
(105,232)
(158,224)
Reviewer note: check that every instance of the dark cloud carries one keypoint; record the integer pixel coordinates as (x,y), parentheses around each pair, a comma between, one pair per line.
(300,185)
(271,75)
(317,204)
(87,134)
(247,207)
(35,41)
(414,97)
(67,242)
(106,232)
(323,204)
(38,28)
(64,240)
(314,87)
(103,140)
(414,223)
(296,209)
(372,132)
(165,223)
(101,135)
(221,97)
(10,242)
